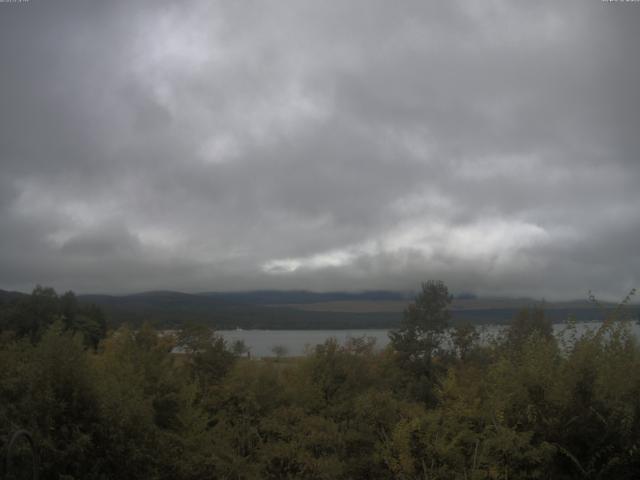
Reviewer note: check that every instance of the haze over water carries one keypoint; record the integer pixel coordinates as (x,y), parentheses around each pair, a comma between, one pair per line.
(297,342)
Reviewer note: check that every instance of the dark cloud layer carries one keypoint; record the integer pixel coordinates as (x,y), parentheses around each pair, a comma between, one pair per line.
(329,145)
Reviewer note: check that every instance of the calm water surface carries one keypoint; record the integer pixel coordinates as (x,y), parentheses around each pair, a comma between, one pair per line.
(296,342)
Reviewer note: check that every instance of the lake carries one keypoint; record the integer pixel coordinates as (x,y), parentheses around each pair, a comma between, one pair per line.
(296,342)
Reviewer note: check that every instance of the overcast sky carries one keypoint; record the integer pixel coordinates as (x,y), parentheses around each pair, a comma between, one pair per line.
(197,145)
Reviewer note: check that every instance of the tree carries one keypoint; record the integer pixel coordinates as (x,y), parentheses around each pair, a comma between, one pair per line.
(31,315)
(206,354)
(464,337)
(527,322)
(279,351)
(239,348)
(37,312)
(424,321)
(419,337)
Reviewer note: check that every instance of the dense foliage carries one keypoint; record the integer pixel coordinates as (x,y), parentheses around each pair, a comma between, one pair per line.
(123,406)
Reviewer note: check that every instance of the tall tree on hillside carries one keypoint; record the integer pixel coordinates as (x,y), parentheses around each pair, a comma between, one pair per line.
(29,316)
(206,354)
(527,322)
(419,337)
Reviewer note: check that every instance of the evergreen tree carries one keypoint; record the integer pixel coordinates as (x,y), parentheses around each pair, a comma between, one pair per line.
(419,338)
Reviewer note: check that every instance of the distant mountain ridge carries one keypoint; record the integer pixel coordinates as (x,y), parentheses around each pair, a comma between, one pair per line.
(10,295)
(294,297)
(252,297)
(303,309)
(267,297)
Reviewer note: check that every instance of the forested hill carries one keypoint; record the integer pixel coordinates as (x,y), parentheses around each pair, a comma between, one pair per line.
(299,309)
(266,309)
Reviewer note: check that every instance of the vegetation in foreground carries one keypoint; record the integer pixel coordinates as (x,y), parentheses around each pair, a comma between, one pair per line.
(122,406)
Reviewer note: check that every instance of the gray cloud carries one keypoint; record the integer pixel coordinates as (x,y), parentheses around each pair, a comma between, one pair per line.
(234,145)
